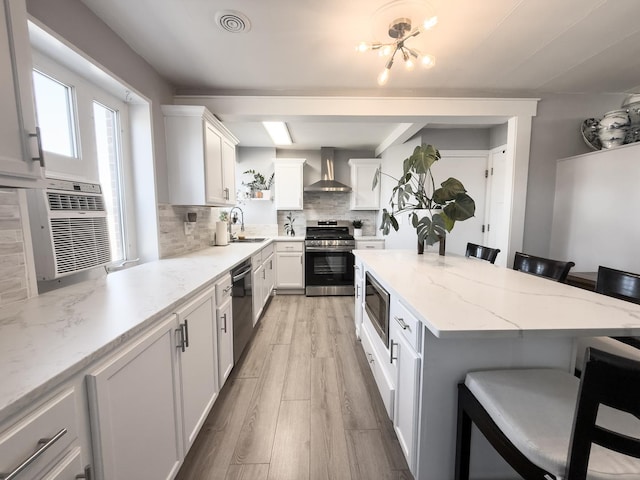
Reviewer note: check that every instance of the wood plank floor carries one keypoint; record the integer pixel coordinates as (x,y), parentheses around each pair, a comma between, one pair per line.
(300,404)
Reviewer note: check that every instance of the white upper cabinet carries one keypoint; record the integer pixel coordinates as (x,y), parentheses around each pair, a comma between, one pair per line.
(21,161)
(363,197)
(201,157)
(289,183)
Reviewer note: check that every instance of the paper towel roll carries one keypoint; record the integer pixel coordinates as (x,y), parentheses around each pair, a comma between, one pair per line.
(222,237)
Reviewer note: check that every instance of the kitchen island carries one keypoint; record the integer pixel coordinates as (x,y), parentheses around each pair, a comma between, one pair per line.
(474,316)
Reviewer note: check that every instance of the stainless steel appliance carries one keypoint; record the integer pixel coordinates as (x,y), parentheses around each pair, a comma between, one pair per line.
(329,259)
(241,304)
(376,305)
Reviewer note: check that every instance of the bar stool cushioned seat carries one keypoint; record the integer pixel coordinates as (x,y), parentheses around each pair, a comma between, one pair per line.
(606,344)
(535,408)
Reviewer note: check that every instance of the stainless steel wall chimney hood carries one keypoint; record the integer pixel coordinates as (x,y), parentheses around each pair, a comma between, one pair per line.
(327,175)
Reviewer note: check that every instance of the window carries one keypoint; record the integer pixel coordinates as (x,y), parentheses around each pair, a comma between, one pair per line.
(84,137)
(55,115)
(106,124)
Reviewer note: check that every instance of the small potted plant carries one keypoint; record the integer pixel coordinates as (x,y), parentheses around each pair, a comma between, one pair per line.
(357,227)
(260,187)
(288,226)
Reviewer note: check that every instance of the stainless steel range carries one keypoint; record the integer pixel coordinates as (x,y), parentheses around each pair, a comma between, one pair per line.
(329,258)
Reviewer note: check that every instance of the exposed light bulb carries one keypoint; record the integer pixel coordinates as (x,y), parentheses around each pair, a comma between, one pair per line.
(385,51)
(428,61)
(430,23)
(383,77)
(409,64)
(362,47)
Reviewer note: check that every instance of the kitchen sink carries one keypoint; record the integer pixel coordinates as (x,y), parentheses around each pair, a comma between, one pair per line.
(249,240)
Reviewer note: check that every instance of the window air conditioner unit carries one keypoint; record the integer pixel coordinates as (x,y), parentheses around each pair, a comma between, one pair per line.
(68,227)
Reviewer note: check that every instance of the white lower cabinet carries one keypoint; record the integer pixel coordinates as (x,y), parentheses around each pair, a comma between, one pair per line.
(290,265)
(405,419)
(269,277)
(69,468)
(359,289)
(48,436)
(134,409)
(197,360)
(257,280)
(224,320)
(262,279)
(379,368)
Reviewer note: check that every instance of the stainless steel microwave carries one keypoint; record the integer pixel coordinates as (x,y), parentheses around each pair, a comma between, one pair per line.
(376,304)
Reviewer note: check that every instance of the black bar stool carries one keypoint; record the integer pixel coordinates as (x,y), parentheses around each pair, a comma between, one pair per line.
(543,421)
(554,269)
(482,252)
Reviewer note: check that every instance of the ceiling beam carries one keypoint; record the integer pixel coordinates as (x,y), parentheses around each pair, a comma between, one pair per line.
(400,134)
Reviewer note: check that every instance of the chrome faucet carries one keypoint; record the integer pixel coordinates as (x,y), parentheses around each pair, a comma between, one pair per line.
(232,221)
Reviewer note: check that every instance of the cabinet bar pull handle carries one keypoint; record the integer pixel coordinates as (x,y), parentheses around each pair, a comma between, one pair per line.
(181,345)
(186,333)
(391,357)
(224,326)
(357,291)
(402,323)
(38,138)
(44,444)
(227,289)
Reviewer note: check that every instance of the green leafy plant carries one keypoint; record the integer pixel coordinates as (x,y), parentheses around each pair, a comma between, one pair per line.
(259,182)
(357,223)
(288,226)
(416,190)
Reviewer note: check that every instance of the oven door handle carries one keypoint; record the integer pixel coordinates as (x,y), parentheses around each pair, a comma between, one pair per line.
(329,249)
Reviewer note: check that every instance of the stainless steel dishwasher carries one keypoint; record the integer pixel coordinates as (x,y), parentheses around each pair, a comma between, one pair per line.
(242,308)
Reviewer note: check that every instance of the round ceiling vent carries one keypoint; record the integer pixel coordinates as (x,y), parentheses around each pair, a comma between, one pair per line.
(232,21)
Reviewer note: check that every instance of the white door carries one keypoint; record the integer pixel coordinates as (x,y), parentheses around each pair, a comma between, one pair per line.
(198,364)
(225,341)
(229,171)
(405,420)
(16,104)
(289,272)
(469,167)
(497,216)
(257,296)
(213,166)
(133,409)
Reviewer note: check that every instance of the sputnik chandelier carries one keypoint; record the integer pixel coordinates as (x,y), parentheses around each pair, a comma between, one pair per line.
(400,31)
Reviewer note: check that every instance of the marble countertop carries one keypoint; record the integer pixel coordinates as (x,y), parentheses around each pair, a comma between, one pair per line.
(458,297)
(47,339)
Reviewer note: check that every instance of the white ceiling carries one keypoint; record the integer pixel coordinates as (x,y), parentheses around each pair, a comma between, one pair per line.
(505,48)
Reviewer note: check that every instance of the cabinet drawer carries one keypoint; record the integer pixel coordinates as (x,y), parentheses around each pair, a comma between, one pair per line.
(256,260)
(223,290)
(289,247)
(266,251)
(385,386)
(410,326)
(370,244)
(31,433)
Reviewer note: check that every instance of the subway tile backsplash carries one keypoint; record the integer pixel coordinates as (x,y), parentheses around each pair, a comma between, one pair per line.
(327,206)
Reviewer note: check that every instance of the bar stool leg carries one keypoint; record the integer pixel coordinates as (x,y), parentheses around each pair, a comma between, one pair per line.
(463,442)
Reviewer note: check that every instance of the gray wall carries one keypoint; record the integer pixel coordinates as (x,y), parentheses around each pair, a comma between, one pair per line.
(555,134)
(456,138)
(72,20)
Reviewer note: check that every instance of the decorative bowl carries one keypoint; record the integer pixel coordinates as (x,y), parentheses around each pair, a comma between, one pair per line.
(589,130)
(615,119)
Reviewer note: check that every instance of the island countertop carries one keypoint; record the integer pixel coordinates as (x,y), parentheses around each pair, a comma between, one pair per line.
(458,297)
(47,339)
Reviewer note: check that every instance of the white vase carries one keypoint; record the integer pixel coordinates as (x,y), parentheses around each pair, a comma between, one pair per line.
(357,232)
(266,194)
